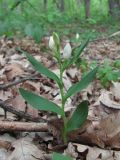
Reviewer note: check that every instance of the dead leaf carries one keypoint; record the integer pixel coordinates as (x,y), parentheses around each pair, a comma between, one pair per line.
(116,90)
(25,150)
(33,86)
(4,154)
(71,151)
(19,104)
(2,61)
(107,102)
(13,70)
(94,153)
(5,95)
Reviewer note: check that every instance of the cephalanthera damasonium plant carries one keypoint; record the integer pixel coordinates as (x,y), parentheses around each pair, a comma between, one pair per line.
(64,61)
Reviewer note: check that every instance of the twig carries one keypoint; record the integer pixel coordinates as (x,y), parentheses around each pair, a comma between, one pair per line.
(23,126)
(22,79)
(19,113)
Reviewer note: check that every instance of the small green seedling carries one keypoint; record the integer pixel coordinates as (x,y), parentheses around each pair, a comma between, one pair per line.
(64,61)
(116,64)
(108,72)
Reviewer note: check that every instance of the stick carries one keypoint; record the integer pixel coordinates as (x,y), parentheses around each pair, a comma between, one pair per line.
(7,126)
(22,79)
(19,113)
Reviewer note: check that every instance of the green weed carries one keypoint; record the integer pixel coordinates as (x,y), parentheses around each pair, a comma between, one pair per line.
(108,72)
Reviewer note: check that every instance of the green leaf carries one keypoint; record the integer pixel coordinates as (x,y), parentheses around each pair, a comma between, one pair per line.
(76,54)
(79,116)
(79,50)
(58,156)
(41,69)
(118,74)
(39,102)
(82,84)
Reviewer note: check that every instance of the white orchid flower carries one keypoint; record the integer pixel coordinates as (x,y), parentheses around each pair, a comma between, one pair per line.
(67,51)
(51,43)
(77,36)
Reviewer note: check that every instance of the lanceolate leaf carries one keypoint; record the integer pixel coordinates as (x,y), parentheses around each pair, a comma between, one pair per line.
(82,84)
(41,69)
(76,54)
(79,50)
(39,102)
(58,156)
(79,116)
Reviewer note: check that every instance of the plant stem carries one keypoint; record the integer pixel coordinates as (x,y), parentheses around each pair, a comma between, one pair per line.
(63,104)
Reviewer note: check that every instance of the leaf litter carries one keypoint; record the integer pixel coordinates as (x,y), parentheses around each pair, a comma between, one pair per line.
(99,137)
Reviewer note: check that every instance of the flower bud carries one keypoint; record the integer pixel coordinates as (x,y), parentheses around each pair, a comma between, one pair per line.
(77,36)
(51,43)
(67,51)
(56,40)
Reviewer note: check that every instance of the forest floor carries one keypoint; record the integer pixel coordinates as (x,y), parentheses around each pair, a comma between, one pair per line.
(30,134)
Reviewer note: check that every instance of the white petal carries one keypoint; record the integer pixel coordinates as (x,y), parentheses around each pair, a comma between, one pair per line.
(51,43)
(77,36)
(67,51)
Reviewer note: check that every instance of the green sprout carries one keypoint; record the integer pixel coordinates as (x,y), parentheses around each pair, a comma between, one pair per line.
(108,72)
(64,61)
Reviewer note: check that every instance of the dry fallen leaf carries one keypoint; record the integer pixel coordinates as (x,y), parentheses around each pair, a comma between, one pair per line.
(4,154)
(5,95)
(13,70)
(116,90)
(71,151)
(105,99)
(18,103)
(25,150)
(94,153)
